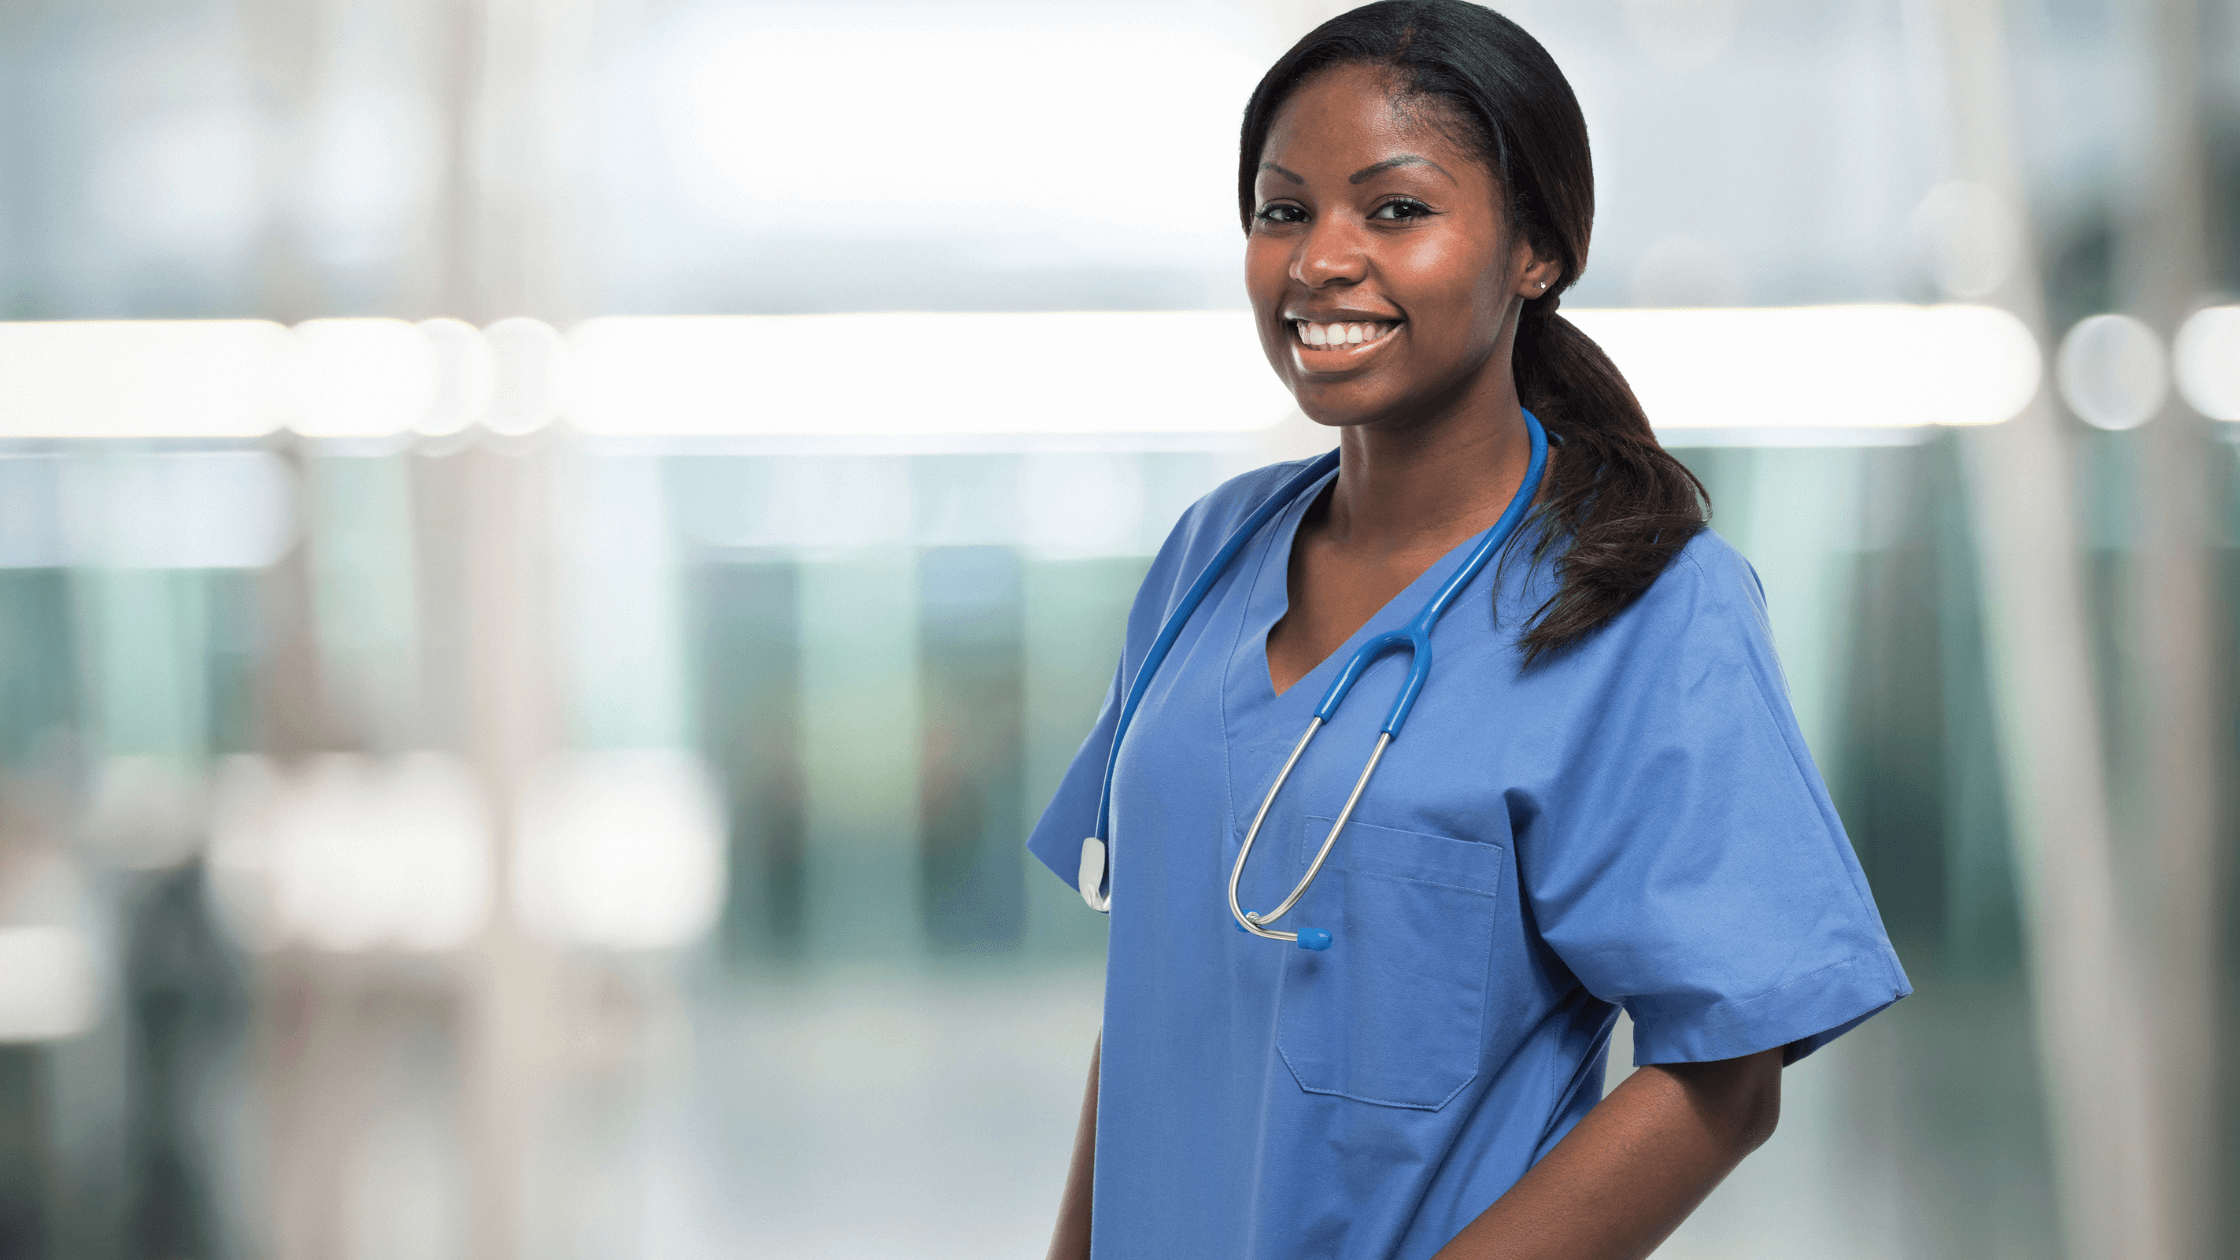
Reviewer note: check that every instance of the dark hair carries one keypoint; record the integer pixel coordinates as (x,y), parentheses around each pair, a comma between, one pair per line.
(1619,500)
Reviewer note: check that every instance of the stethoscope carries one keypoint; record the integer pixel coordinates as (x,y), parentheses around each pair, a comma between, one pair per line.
(1415,636)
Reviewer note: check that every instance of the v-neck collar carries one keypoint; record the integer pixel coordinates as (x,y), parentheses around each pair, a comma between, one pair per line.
(1267,597)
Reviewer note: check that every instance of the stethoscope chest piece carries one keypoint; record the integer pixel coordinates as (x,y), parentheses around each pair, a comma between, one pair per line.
(1091,878)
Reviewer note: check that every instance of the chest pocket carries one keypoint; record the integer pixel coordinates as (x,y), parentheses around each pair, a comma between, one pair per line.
(1394,1011)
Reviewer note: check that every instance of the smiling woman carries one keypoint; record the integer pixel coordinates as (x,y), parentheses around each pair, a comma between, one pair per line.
(1473,204)
(1601,799)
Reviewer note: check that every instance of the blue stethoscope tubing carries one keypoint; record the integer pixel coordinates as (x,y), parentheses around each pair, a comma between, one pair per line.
(1415,637)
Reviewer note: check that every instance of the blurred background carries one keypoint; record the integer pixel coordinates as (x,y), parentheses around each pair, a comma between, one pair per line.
(492,768)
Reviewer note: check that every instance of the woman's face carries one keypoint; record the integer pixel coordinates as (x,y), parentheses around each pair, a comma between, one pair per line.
(1382,270)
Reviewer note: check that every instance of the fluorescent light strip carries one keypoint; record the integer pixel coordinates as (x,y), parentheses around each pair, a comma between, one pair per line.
(141,378)
(1821,367)
(923,374)
(1000,377)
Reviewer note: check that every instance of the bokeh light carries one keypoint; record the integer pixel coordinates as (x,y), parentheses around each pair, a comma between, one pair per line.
(620,850)
(2206,360)
(2112,371)
(349,854)
(47,983)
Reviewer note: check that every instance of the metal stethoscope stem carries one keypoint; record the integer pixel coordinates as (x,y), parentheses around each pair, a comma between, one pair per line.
(1255,922)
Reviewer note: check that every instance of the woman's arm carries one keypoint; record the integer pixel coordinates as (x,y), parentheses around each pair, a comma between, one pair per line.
(1070,1241)
(1634,1168)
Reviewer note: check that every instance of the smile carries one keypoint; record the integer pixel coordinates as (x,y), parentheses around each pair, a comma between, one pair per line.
(1328,337)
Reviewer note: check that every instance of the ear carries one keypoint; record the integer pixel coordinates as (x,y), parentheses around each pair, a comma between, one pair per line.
(1537,277)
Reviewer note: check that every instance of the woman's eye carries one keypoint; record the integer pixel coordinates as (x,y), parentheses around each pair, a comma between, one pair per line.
(1280,214)
(1401,208)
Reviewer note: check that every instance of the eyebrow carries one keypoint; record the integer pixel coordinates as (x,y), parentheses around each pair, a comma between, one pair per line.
(1405,159)
(1293,176)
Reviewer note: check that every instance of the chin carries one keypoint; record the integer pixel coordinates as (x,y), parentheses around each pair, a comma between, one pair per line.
(1344,405)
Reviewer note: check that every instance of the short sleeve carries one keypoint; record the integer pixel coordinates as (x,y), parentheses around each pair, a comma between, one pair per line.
(1072,812)
(1687,863)
(1071,815)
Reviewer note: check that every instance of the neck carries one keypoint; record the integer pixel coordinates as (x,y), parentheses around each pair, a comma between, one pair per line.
(1430,482)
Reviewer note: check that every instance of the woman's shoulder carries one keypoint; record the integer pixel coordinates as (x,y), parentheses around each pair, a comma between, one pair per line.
(1226,506)
(1198,534)
(1207,523)
(1709,568)
(1698,631)
(1708,596)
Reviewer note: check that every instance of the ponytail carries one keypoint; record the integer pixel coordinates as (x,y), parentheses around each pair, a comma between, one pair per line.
(1618,506)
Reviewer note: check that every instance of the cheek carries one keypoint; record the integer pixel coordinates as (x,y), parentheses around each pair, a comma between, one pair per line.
(1267,266)
(1454,293)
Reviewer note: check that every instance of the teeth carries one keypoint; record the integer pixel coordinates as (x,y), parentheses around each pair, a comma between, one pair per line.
(1341,334)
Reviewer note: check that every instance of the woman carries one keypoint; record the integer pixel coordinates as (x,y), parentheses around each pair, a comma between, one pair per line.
(1599,799)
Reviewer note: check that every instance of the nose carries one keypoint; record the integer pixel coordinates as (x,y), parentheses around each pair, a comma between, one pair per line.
(1330,253)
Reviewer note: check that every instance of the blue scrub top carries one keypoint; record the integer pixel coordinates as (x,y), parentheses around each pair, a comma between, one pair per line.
(1635,823)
